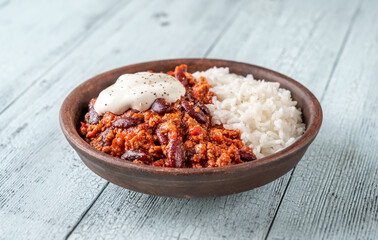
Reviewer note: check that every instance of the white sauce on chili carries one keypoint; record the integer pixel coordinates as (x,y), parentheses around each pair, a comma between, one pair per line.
(138,91)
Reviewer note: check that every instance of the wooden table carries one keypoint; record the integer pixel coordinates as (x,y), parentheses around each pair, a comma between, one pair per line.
(49,47)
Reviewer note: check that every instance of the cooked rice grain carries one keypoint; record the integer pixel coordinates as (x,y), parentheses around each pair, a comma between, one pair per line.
(265,114)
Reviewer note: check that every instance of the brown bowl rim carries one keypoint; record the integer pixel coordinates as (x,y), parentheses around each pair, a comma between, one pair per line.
(309,135)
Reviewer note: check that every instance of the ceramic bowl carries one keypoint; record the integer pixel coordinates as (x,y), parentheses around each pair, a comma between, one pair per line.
(184,182)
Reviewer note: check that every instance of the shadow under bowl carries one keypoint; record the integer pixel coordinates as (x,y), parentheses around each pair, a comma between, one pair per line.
(186,182)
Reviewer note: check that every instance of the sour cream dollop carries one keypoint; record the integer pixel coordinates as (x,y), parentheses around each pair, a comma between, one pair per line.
(138,91)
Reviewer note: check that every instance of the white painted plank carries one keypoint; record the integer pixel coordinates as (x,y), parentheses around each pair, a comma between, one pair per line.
(35,35)
(290,39)
(123,214)
(333,193)
(300,39)
(44,187)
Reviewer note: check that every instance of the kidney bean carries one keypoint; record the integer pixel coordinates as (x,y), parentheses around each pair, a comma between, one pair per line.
(132,155)
(246,155)
(127,122)
(179,74)
(204,108)
(93,116)
(200,116)
(190,97)
(104,134)
(162,138)
(160,106)
(189,108)
(176,153)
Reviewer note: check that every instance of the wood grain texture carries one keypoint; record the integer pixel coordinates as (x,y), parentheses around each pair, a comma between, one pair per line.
(38,34)
(45,190)
(44,187)
(262,32)
(123,214)
(296,38)
(334,191)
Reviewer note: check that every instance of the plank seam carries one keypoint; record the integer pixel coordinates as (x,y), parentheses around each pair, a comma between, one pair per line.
(341,50)
(337,59)
(86,211)
(223,31)
(107,15)
(279,204)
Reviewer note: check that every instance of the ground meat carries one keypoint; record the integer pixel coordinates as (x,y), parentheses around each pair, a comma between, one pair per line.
(176,134)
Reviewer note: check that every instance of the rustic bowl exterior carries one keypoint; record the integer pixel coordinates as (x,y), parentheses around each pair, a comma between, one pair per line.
(188,183)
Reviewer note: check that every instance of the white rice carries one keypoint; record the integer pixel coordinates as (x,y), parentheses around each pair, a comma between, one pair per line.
(265,114)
